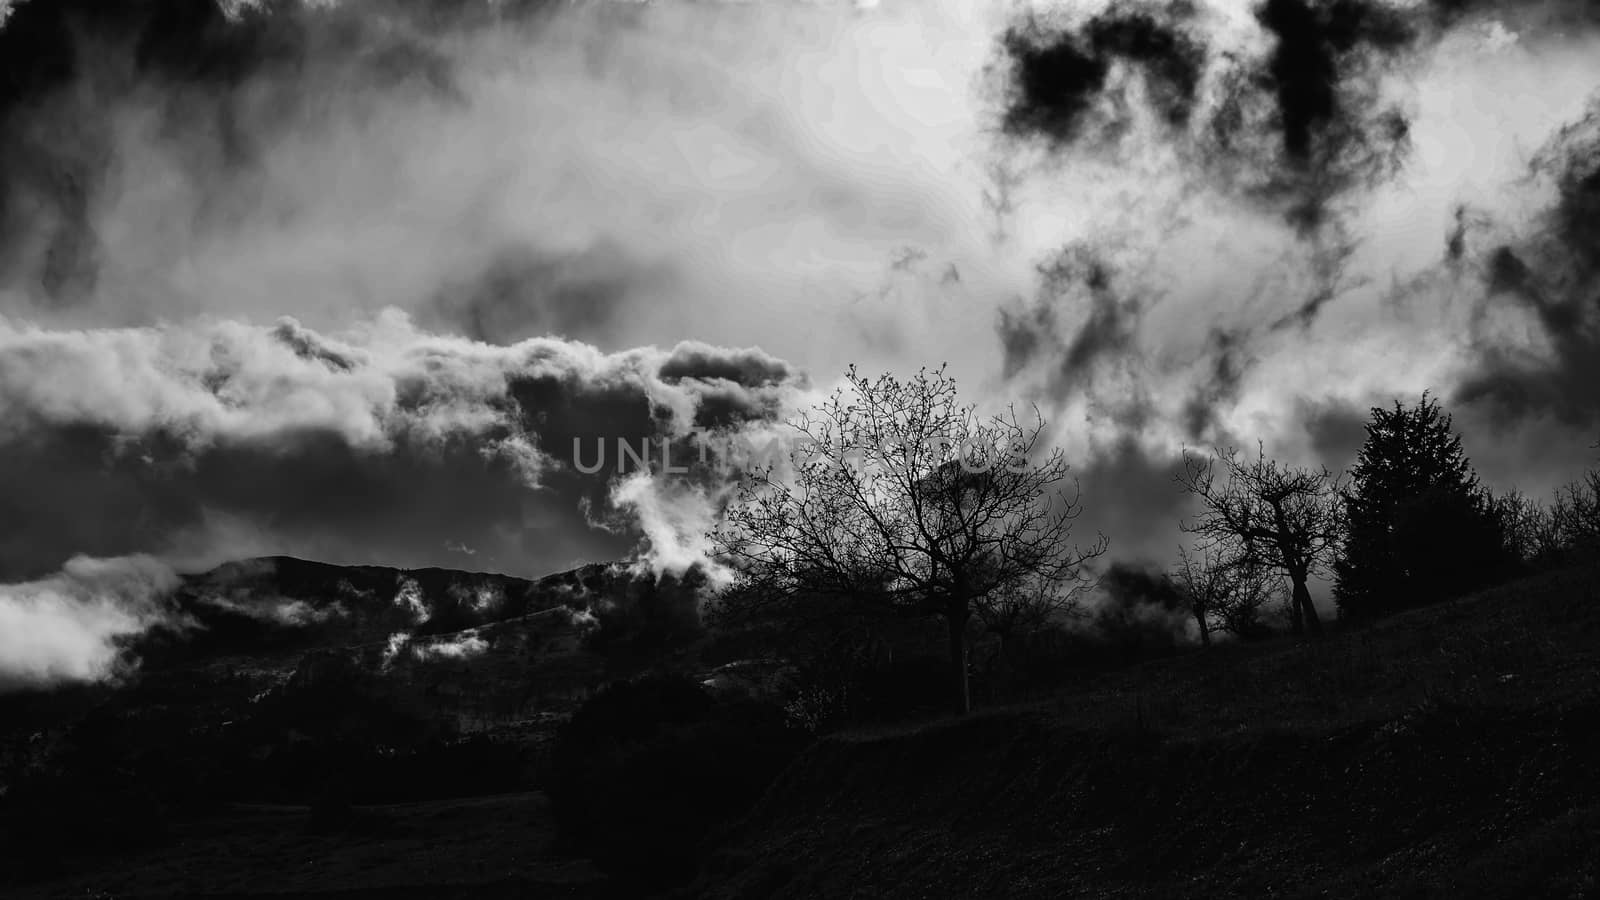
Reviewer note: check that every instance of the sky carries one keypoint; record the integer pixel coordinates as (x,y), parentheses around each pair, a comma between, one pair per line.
(344,280)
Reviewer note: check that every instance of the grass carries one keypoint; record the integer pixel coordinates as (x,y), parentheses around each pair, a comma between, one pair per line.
(478,847)
(1444,752)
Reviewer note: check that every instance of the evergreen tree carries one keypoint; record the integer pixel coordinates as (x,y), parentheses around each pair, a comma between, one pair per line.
(1420,528)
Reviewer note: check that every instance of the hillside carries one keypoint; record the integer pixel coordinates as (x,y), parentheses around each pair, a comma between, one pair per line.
(284,681)
(1446,752)
(1449,752)
(245,630)
(282,606)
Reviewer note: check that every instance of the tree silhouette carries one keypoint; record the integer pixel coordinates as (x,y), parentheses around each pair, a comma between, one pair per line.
(905,502)
(1222,593)
(1420,528)
(1573,521)
(1263,513)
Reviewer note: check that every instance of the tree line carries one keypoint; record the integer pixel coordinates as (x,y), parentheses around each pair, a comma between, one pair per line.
(903,505)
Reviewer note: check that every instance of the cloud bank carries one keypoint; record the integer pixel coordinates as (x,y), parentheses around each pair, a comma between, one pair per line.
(378,442)
(495,227)
(67,627)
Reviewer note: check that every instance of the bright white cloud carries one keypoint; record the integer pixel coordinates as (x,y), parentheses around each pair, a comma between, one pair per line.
(67,628)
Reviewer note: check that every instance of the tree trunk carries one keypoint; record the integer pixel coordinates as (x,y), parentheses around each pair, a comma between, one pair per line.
(995,672)
(961,696)
(1302,602)
(1205,629)
(1297,619)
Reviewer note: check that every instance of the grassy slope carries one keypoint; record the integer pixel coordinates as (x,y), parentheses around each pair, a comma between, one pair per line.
(480,847)
(1448,752)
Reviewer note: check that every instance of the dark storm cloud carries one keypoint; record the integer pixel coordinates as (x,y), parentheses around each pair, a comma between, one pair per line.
(1553,276)
(1572,161)
(1556,14)
(1330,250)
(1129,493)
(1095,356)
(221,87)
(46,47)
(1080,278)
(1290,130)
(1113,320)
(1303,125)
(1336,430)
(1218,390)
(1024,330)
(105,494)
(376,447)
(732,386)
(1315,90)
(1455,241)
(1318,91)
(1056,83)
(1294,163)
(1108,332)
(307,344)
(1316,43)
(747,368)
(725,405)
(1139,607)
(1506,273)
(47,44)
(1058,75)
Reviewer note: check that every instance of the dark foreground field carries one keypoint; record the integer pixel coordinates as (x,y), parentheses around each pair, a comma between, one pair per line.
(1450,752)
(488,847)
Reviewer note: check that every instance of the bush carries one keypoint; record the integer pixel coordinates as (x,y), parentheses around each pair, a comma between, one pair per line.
(646,769)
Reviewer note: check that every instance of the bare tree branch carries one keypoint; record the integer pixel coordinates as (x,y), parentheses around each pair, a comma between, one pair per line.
(910,502)
(1263,513)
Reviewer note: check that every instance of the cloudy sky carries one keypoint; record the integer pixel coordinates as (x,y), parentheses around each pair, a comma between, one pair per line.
(344,280)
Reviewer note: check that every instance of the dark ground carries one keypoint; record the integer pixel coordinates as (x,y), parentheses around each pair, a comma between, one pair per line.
(1453,751)
(486,847)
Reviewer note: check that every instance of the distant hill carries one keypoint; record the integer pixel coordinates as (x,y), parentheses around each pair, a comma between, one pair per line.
(279,605)
(264,652)
(476,649)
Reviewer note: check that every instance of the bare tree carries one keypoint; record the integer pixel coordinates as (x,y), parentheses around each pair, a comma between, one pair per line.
(1016,612)
(1028,605)
(898,486)
(1265,513)
(1222,592)
(1202,580)
(1574,523)
(1527,529)
(1255,587)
